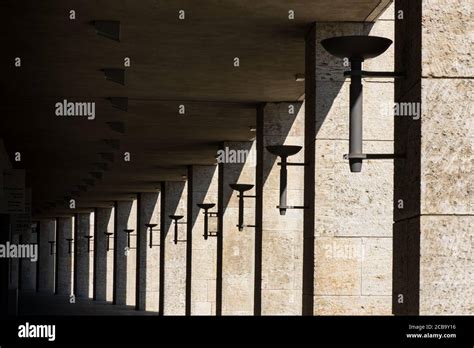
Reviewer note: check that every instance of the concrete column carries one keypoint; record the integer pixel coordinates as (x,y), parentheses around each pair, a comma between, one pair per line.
(433,205)
(281,235)
(46,265)
(104,260)
(353,211)
(203,181)
(235,253)
(174,286)
(63,257)
(81,256)
(125,259)
(148,258)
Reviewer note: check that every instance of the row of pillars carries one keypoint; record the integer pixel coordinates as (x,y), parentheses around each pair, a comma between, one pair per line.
(135,254)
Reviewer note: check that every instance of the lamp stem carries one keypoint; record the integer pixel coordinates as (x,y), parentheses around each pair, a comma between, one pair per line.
(241,211)
(176,232)
(283,184)
(355,122)
(205,224)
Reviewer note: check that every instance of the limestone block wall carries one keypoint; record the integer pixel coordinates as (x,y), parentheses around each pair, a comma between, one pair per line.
(103,262)
(124,257)
(204,183)
(238,247)
(353,211)
(91,254)
(149,258)
(63,257)
(46,260)
(281,235)
(434,232)
(174,268)
(82,263)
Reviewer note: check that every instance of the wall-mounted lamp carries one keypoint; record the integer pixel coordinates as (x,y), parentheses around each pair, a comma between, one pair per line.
(51,247)
(241,188)
(128,232)
(108,234)
(88,237)
(207,214)
(176,219)
(284,151)
(150,240)
(357,49)
(69,245)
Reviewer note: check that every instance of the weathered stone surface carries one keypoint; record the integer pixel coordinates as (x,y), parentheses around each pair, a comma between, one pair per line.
(388,14)
(447,265)
(82,263)
(352,305)
(238,246)
(447,29)
(386,61)
(332,110)
(447,146)
(176,195)
(351,204)
(377,266)
(104,259)
(125,258)
(282,302)
(149,258)
(338,266)
(282,244)
(64,259)
(203,278)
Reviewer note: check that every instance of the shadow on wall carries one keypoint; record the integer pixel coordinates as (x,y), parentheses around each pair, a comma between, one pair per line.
(122,214)
(406,227)
(205,179)
(169,205)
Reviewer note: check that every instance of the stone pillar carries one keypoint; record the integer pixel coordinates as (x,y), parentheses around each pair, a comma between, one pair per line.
(63,257)
(28,267)
(148,258)
(353,211)
(81,256)
(174,287)
(235,250)
(46,260)
(104,260)
(203,183)
(125,258)
(91,254)
(281,235)
(433,205)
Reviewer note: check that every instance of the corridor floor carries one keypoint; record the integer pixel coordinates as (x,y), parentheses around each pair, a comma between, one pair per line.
(31,303)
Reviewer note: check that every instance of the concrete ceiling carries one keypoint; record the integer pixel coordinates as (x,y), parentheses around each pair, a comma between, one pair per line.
(173,62)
